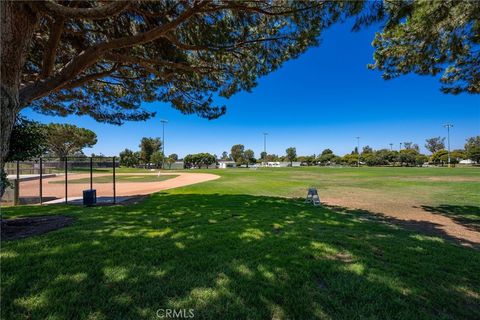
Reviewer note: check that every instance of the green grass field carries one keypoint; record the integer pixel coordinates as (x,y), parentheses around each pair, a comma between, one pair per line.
(121,179)
(246,247)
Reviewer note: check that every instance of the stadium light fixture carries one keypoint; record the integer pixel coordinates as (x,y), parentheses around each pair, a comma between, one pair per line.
(358,151)
(448,126)
(163,121)
(265,134)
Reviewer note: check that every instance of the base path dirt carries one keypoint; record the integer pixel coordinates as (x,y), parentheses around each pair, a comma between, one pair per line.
(30,189)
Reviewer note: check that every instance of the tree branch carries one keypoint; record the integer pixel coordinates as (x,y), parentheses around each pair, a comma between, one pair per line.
(147,63)
(233,5)
(237,44)
(89,77)
(100,12)
(152,34)
(111,83)
(91,55)
(147,14)
(186,46)
(51,49)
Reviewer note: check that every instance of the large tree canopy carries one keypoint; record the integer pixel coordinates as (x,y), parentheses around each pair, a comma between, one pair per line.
(104,59)
(428,37)
(237,153)
(149,146)
(291,154)
(128,158)
(435,144)
(28,140)
(198,160)
(65,139)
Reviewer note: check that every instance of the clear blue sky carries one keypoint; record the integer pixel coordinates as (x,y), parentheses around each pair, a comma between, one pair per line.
(324,99)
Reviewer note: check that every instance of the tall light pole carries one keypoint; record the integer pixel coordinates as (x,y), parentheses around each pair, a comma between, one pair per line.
(448,126)
(400,146)
(391,146)
(358,151)
(265,134)
(163,121)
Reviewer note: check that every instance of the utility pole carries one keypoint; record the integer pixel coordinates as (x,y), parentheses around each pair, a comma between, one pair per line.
(163,121)
(358,152)
(448,126)
(265,134)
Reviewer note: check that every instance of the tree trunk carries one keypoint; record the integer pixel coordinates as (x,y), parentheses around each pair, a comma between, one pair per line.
(9,106)
(18,22)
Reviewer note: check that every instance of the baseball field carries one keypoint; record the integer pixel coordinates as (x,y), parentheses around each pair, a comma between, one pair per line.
(387,243)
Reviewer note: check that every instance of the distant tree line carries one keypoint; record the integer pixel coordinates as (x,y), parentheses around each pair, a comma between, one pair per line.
(408,156)
(149,155)
(32,139)
(246,157)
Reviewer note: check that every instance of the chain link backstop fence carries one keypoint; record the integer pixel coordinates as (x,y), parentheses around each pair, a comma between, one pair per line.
(57,180)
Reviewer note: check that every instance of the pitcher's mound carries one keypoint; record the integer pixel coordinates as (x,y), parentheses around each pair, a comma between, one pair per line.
(20,228)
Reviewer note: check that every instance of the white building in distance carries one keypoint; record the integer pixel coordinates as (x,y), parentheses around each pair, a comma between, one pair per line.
(224,164)
(281,164)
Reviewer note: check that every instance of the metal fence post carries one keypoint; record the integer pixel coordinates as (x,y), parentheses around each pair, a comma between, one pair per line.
(114,189)
(41,181)
(66,183)
(16,192)
(91,172)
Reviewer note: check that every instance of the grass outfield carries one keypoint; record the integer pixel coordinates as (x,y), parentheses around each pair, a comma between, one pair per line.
(453,191)
(121,179)
(241,247)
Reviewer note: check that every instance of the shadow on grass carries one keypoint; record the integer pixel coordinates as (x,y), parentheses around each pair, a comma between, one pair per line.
(233,257)
(468,216)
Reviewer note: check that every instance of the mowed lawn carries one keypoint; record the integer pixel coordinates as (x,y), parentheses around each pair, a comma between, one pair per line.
(246,247)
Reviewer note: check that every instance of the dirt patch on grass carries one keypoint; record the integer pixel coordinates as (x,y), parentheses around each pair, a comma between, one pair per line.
(445,179)
(20,228)
(403,211)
